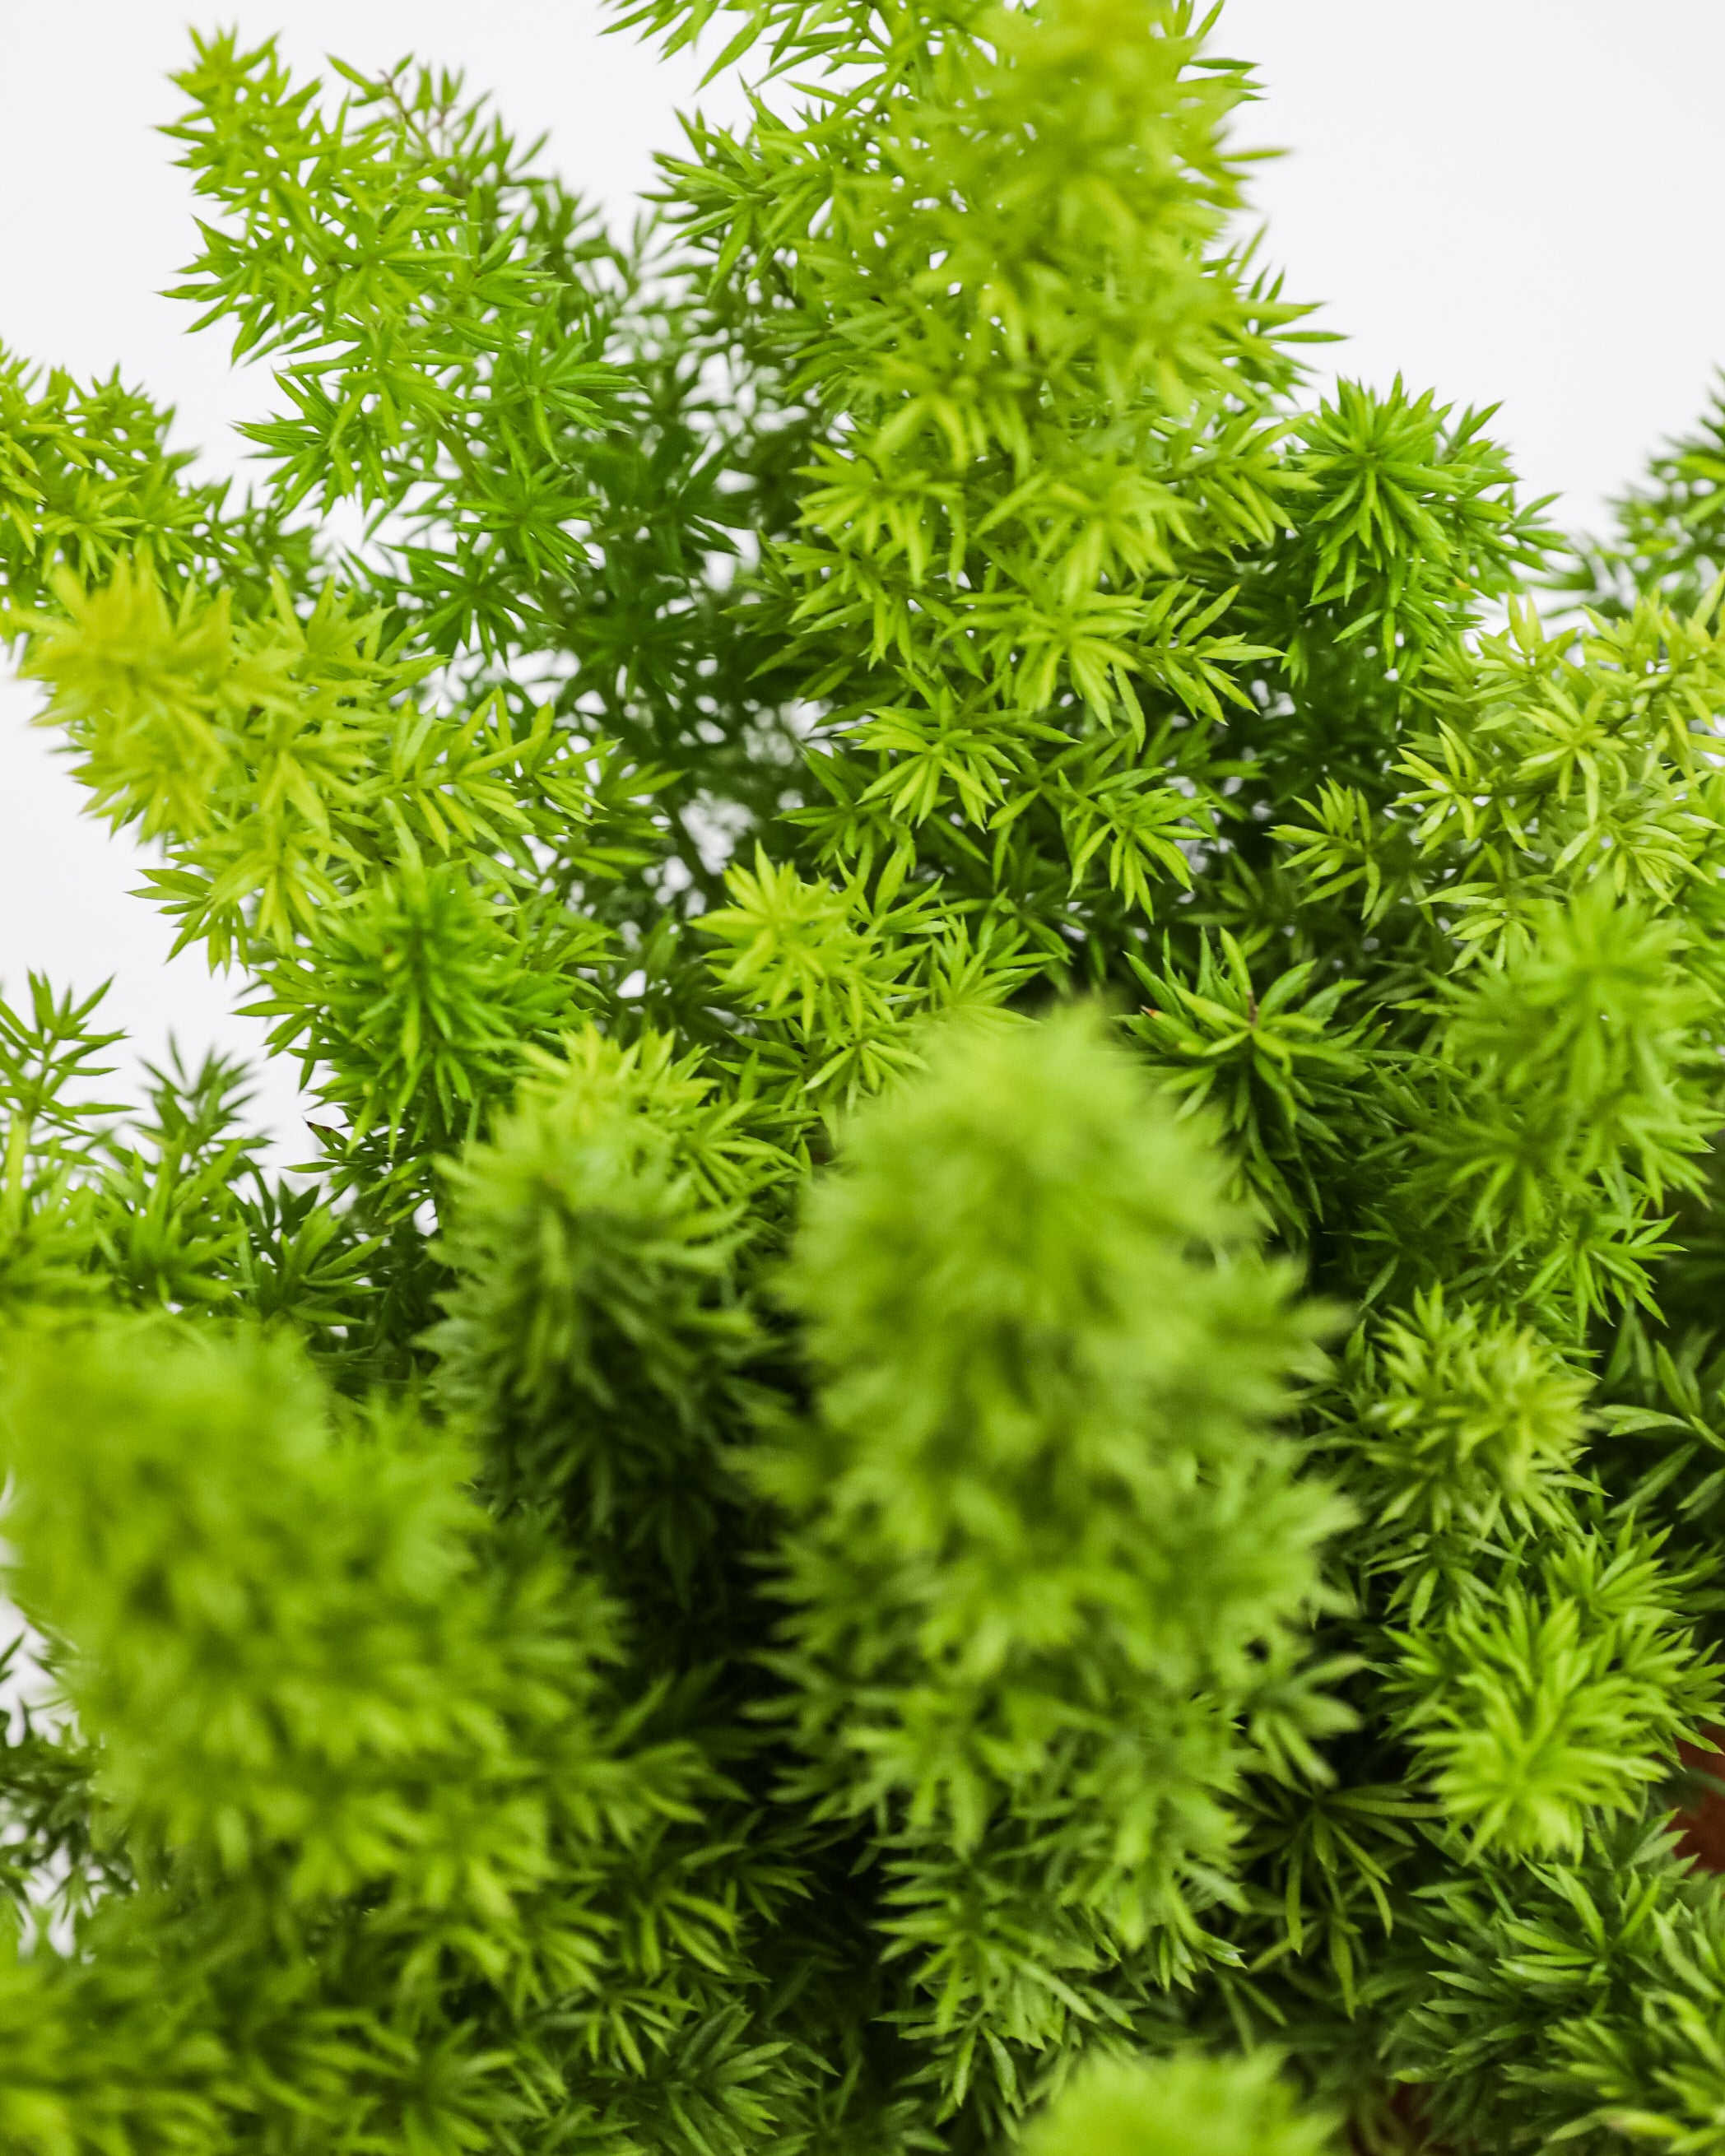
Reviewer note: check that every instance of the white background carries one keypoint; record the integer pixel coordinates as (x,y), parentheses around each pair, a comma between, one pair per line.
(1511,201)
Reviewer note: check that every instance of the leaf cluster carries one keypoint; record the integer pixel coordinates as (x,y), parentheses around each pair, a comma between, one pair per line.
(994,1418)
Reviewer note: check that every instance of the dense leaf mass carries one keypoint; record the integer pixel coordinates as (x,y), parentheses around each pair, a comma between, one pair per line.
(995,1417)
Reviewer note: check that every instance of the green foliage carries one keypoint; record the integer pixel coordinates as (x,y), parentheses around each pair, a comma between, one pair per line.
(1669,528)
(1463,1422)
(1238,2108)
(347,1730)
(595,1338)
(1581,1995)
(1030,1637)
(901,879)
(1547,1707)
